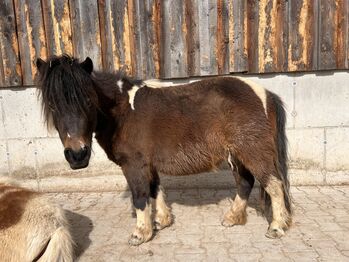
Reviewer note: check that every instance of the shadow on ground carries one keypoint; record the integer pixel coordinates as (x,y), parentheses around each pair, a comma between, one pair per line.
(202,196)
(81,227)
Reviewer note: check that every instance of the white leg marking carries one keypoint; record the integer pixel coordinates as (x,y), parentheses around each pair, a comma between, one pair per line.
(239,204)
(143,217)
(237,213)
(259,91)
(280,215)
(131,94)
(144,228)
(163,214)
(120,83)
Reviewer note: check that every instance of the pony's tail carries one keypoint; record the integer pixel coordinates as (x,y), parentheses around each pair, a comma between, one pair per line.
(60,248)
(282,158)
(281,142)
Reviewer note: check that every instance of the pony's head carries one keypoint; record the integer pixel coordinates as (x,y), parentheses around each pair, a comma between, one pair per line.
(70,104)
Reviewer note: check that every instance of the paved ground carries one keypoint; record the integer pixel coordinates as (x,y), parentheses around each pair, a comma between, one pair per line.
(102,223)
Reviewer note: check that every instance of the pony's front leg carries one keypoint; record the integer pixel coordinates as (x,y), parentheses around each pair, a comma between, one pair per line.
(163,217)
(138,180)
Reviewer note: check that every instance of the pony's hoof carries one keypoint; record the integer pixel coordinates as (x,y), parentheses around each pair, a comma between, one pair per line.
(158,226)
(162,222)
(227,223)
(231,219)
(275,233)
(135,240)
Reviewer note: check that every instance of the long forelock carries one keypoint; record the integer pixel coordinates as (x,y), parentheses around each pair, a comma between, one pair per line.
(66,88)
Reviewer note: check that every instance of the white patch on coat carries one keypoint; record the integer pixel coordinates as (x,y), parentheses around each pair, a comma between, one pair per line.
(131,95)
(229,161)
(68,135)
(259,91)
(120,84)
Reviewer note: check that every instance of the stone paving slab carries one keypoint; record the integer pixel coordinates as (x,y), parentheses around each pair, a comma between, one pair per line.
(102,223)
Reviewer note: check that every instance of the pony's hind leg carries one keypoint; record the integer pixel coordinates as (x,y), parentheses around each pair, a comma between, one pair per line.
(163,217)
(262,166)
(281,216)
(139,183)
(244,181)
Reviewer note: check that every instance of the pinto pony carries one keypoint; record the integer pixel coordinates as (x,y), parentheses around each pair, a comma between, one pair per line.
(32,228)
(178,130)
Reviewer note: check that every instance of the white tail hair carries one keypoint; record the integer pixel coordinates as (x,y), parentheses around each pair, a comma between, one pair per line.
(60,247)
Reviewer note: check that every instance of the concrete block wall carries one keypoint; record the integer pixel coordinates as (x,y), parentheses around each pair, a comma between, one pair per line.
(317,128)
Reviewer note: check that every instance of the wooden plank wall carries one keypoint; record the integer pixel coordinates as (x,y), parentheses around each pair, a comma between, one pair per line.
(10,70)
(175,39)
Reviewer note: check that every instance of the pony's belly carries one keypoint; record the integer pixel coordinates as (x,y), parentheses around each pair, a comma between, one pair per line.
(189,162)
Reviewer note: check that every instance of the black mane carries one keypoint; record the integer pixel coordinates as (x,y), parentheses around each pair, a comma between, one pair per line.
(65,87)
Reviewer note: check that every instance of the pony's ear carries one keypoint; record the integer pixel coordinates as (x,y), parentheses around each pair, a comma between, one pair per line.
(41,65)
(87,65)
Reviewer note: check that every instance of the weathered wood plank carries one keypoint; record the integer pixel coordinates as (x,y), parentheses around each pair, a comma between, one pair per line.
(204,38)
(144,24)
(207,25)
(193,39)
(252,35)
(57,27)
(85,31)
(302,52)
(212,16)
(327,35)
(222,46)
(132,32)
(238,36)
(31,37)
(149,48)
(10,70)
(107,36)
(342,16)
(174,45)
(156,25)
(281,35)
(139,35)
(115,35)
(347,37)
(271,40)
(2,72)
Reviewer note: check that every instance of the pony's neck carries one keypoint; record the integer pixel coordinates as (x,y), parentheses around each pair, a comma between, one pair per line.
(112,97)
(113,109)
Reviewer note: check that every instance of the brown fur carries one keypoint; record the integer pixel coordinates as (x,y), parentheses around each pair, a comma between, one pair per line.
(31,228)
(178,130)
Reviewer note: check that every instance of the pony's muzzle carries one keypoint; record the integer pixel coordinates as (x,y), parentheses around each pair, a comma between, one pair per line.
(78,159)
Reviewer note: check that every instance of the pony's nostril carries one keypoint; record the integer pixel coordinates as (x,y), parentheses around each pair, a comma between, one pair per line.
(68,153)
(77,157)
(83,153)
